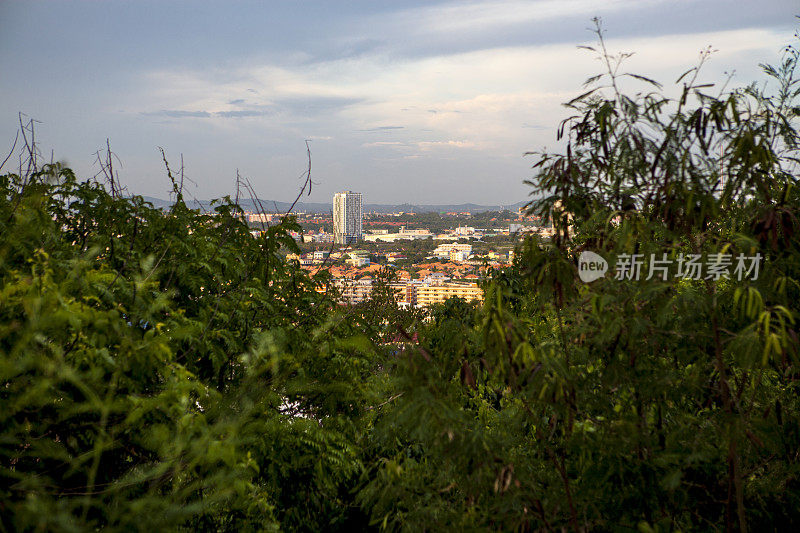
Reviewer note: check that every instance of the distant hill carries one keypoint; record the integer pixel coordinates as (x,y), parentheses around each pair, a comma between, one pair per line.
(271,206)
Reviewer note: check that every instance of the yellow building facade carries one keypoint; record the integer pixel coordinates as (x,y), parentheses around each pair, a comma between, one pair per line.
(435,293)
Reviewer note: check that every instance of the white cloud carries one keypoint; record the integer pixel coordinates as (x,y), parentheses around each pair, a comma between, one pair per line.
(478,103)
(429,145)
(486,80)
(490,15)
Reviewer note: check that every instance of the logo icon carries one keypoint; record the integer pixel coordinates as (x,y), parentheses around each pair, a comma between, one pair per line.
(591,266)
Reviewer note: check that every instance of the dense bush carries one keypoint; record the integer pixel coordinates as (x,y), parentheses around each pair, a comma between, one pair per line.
(166,368)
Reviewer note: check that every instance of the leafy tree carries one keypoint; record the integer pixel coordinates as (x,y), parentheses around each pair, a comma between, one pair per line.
(657,404)
(165,369)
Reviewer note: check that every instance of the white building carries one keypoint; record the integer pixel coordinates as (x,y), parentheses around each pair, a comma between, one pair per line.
(354,291)
(262,217)
(458,256)
(322,237)
(358,261)
(347,217)
(443,250)
(403,235)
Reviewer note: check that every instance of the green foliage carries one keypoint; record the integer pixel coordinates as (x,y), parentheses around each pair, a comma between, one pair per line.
(162,369)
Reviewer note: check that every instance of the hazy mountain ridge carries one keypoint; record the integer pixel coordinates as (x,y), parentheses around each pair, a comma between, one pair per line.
(271,206)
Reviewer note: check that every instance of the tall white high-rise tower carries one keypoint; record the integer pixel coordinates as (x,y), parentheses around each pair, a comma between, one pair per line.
(347,217)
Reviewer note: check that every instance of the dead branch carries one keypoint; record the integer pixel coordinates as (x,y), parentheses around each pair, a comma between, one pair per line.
(11,152)
(306,183)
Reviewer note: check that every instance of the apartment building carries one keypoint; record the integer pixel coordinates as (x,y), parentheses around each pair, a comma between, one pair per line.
(406,291)
(358,261)
(347,217)
(262,217)
(435,293)
(443,250)
(403,235)
(403,292)
(458,256)
(423,232)
(416,293)
(354,291)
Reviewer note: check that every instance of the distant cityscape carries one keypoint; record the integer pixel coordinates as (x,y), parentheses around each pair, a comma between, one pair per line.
(433,256)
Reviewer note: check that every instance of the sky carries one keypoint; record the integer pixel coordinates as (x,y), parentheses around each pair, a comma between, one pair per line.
(403,101)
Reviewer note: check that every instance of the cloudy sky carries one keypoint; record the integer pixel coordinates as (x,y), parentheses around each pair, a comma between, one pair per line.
(405,101)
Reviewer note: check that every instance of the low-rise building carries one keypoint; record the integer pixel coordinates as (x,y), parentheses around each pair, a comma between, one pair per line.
(322,237)
(443,250)
(354,291)
(403,235)
(358,261)
(262,218)
(459,255)
(430,294)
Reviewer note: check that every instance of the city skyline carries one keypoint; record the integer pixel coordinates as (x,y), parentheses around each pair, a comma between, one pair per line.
(424,103)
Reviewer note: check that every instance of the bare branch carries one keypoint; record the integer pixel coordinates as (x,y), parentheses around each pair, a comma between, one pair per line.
(11,152)
(306,183)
